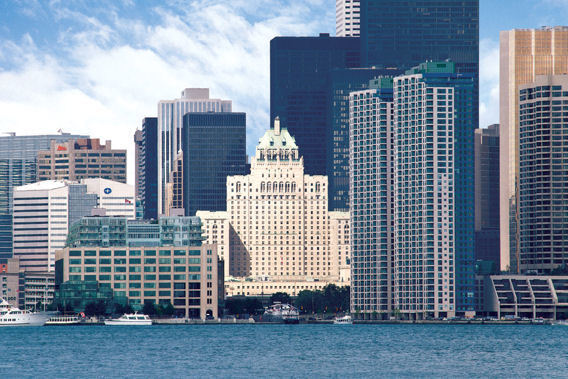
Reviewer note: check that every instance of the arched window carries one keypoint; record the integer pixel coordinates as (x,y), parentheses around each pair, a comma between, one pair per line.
(268,187)
(238,186)
(281,187)
(318,187)
(287,186)
(275,187)
(262,187)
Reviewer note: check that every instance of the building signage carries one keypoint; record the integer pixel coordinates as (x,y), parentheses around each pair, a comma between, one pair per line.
(107,191)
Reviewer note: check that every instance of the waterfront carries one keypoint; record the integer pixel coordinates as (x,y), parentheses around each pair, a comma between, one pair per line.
(286,351)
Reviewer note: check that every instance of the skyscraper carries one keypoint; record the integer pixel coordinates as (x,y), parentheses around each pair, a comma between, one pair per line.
(342,82)
(170,122)
(347,18)
(80,159)
(214,147)
(487,194)
(435,120)
(525,53)
(371,205)
(138,165)
(403,34)
(543,174)
(299,85)
(18,166)
(149,168)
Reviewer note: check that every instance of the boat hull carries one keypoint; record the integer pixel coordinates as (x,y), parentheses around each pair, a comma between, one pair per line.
(129,323)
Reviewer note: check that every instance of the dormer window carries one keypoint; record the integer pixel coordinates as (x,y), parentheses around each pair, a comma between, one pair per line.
(271,143)
(284,143)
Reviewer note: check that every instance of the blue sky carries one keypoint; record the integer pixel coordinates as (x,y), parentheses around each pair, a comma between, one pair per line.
(100,69)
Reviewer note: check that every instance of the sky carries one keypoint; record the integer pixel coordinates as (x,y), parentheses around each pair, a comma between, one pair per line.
(100,67)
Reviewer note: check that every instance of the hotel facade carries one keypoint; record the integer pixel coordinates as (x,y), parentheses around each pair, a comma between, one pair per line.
(277,226)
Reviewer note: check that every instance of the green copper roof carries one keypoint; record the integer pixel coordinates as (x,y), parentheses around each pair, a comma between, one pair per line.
(277,139)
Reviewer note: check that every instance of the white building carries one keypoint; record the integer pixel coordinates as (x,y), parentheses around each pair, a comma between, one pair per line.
(44,211)
(117,199)
(170,122)
(347,18)
(278,226)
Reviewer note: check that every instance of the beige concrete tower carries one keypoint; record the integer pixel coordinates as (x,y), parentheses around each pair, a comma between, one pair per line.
(525,53)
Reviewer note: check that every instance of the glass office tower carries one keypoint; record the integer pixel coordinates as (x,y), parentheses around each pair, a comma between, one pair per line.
(149,168)
(299,84)
(403,34)
(18,156)
(214,147)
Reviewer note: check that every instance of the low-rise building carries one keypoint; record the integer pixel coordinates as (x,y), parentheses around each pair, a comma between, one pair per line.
(244,287)
(527,296)
(25,289)
(184,276)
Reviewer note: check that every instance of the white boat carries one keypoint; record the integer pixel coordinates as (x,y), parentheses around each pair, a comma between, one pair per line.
(279,312)
(13,316)
(64,320)
(345,320)
(560,322)
(130,319)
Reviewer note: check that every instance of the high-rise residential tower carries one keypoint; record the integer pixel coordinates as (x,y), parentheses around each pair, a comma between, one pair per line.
(170,122)
(80,159)
(543,174)
(342,82)
(299,83)
(347,18)
(435,120)
(525,53)
(18,166)
(214,147)
(371,205)
(487,195)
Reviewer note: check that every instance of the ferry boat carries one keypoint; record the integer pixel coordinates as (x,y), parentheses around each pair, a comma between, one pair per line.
(345,320)
(12,316)
(66,320)
(279,312)
(130,319)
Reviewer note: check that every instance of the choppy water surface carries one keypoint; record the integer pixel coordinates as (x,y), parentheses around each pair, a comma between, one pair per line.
(285,351)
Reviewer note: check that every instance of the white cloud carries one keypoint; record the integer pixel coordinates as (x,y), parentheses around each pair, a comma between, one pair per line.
(112,73)
(488,82)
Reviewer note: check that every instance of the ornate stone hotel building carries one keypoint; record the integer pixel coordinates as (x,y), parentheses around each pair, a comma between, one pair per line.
(277,222)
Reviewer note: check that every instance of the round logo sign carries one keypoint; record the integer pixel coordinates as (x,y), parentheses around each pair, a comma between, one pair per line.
(108,191)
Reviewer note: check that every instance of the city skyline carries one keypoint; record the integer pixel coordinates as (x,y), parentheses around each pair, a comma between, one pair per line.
(89,66)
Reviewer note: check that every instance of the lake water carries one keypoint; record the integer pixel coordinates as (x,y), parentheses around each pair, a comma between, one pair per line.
(285,351)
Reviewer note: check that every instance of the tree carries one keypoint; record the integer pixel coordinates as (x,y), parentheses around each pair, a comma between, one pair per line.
(95,308)
(282,297)
(149,308)
(167,309)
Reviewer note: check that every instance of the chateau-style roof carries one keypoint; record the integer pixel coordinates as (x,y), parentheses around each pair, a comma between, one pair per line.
(277,138)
